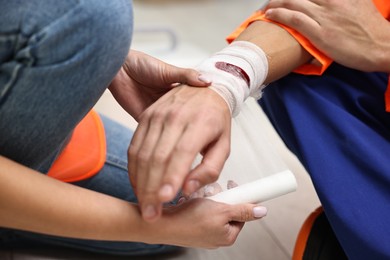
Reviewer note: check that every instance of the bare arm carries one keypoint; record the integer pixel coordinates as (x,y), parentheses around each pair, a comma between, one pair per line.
(284,53)
(353,33)
(34,202)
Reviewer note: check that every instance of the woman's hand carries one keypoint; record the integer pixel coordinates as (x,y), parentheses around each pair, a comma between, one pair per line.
(202,223)
(144,79)
(34,202)
(171,133)
(351,32)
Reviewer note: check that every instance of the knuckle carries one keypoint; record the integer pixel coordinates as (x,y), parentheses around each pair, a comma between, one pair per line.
(182,148)
(132,151)
(158,116)
(143,157)
(245,214)
(213,174)
(174,117)
(159,157)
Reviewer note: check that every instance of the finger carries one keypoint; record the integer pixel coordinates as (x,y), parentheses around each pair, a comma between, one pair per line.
(210,167)
(247,212)
(299,21)
(293,19)
(194,78)
(191,77)
(190,144)
(197,194)
(135,145)
(304,6)
(147,182)
(234,230)
(171,133)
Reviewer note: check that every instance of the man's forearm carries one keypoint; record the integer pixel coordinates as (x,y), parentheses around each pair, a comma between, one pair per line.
(284,53)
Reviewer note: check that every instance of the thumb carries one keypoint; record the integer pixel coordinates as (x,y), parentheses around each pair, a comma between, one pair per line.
(247,212)
(191,77)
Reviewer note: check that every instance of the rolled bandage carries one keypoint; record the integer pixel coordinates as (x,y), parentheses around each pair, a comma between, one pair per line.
(236,72)
(260,190)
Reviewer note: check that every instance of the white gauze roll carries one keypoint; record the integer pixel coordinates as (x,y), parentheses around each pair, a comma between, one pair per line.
(236,72)
(259,190)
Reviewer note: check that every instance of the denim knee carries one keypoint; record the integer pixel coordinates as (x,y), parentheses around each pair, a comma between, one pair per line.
(110,26)
(56,60)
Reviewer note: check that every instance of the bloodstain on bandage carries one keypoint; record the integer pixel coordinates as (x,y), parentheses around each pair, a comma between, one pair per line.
(234,70)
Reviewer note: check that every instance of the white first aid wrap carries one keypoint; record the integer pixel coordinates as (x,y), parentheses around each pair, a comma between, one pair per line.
(259,190)
(236,72)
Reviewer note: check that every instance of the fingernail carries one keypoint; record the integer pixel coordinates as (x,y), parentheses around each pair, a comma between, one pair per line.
(166,191)
(149,212)
(204,79)
(259,211)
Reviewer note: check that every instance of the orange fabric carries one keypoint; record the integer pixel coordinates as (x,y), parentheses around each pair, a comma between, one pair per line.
(85,153)
(303,235)
(387,96)
(382,5)
(384,8)
(304,69)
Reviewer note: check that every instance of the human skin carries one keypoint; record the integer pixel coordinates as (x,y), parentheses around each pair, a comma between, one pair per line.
(32,201)
(143,79)
(35,202)
(351,32)
(187,121)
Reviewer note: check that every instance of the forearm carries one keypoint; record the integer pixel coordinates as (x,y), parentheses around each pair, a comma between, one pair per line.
(34,202)
(283,52)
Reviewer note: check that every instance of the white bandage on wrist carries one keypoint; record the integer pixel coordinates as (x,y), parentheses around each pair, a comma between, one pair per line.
(236,72)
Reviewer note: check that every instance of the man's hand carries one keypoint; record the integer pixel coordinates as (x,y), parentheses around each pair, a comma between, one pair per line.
(171,133)
(351,32)
(144,79)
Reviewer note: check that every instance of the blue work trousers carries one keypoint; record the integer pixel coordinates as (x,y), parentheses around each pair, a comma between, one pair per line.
(337,126)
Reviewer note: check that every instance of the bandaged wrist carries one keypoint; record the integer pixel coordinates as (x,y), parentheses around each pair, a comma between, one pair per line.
(236,72)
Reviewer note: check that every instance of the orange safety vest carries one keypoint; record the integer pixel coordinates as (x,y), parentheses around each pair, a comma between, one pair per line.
(85,153)
(310,69)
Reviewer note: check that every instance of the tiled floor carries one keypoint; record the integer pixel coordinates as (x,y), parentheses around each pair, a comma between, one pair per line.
(184,32)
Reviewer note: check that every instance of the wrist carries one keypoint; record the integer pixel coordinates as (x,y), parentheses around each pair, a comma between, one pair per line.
(236,72)
(382,58)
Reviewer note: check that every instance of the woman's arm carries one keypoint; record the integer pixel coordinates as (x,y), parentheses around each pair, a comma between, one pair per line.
(32,201)
(35,202)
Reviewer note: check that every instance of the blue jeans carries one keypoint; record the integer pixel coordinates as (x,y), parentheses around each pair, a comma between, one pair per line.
(56,60)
